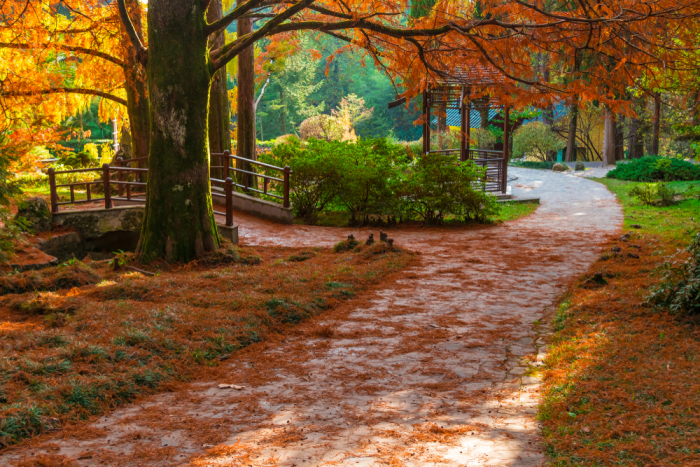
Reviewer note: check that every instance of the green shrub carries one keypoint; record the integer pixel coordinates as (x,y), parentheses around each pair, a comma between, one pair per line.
(368,169)
(650,194)
(316,175)
(680,290)
(325,127)
(654,168)
(536,139)
(437,186)
(544,165)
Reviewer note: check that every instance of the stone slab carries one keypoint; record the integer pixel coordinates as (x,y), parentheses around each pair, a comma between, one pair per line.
(256,207)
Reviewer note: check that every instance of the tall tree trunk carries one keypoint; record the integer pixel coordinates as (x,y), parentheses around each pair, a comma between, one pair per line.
(179,222)
(219,115)
(619,139)
(219,126)
(656,125)
(136,91)
(246,99)
(573,129)
(609,137)
(282,117)
(633,139)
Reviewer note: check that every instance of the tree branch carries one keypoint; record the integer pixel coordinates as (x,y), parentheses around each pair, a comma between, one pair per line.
(141,51)
(43,92)
(231,17)
(67,48)
(229,51)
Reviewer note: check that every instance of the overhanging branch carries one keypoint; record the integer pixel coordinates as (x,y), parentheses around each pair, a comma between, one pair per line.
(43,92)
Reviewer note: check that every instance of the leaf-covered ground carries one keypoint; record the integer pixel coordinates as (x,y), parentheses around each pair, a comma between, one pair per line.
(622,378)
(81,339)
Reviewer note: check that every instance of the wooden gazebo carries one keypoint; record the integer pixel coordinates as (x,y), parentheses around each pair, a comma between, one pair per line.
(464,96)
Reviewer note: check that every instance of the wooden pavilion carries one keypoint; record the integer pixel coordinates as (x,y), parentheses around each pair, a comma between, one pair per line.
(466,93)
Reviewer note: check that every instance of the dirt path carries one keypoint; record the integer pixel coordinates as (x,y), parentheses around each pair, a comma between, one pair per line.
(429,369)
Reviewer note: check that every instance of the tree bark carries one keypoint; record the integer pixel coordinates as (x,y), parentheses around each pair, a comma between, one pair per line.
(282,120)
(137,104)
(246,100)
(633,139)
(619,139)
(573,129)
(179,222)
(219,115)
(609,138)
(656,125)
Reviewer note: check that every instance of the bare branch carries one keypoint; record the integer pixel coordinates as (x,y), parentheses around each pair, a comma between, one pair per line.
(43,92)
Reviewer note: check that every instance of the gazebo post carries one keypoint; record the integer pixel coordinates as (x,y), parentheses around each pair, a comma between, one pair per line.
(506,144)
(469,125)
(463,128)
(426,121)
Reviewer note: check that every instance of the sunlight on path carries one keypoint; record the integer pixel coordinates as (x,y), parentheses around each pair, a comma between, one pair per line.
(428,370)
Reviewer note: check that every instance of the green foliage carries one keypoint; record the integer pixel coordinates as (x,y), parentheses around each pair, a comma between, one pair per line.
(544,165)
(654,194)
(481,139)
(680,290)
(82,159)
(322,127)
(369,169)
(437,186)
(654,168)
(9,190)
(536,139)
(374,181)
(316,178)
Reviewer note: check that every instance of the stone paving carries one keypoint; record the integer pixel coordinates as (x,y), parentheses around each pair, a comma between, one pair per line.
(431,368)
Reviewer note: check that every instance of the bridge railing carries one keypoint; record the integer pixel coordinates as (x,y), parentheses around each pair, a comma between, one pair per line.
(133,191)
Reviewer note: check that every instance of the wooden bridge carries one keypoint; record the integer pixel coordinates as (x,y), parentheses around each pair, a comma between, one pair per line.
(118,176)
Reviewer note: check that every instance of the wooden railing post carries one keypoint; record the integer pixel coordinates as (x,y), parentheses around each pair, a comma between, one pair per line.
(229,201)
(120,177)
(287,171)
(226,160)
(108,186)
(506,147)
(52,185)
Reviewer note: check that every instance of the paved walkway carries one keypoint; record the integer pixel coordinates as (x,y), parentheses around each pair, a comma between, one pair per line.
(428,370)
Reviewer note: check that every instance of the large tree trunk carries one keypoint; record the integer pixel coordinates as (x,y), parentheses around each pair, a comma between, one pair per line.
(246,100)
(633,139)
(136,91)
(656,125)
(179,223)
(219,128)
(573,129)
(609,138)
(619,139)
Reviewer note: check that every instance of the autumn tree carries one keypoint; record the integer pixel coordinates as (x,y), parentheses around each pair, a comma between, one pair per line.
(454,37)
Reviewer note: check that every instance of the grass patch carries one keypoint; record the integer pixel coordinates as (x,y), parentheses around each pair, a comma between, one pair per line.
(622,378)
(88,348)
(513,211)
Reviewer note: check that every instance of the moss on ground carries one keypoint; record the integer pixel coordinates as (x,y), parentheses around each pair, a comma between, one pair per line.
(103,338)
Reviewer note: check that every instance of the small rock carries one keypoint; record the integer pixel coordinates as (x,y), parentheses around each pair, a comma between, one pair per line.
(351,237)
(390,242)
(626,237)
(383,236)
(370,240)
(580,166)
(559,168)
(616,249)
(633,255)
(636,226)
(37,214)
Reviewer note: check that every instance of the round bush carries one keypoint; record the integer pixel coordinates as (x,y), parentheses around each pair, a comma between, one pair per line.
(654,168)
(322,127)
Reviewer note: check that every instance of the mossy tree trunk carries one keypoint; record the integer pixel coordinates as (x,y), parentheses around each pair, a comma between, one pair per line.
(219,127)
(179,223)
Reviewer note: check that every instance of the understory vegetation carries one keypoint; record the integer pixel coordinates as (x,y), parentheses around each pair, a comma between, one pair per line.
(622,380)
(378,183)
(653,169)
(81,339)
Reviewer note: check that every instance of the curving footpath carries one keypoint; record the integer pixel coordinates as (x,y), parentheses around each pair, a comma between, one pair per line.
(430,369)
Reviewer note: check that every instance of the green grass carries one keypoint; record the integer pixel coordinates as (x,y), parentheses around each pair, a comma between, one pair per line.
(512,211)
(677,221)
